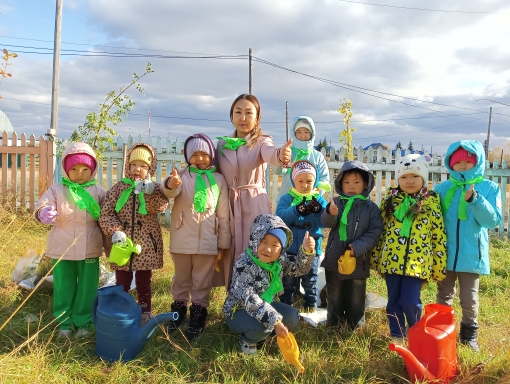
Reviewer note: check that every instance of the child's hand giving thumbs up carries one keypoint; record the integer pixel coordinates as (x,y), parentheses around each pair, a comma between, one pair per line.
(308,243)
(174,180)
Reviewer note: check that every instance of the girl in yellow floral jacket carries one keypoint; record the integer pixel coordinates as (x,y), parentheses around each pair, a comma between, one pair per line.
(412,248)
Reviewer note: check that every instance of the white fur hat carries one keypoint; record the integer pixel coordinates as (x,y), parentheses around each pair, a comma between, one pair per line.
(417,164)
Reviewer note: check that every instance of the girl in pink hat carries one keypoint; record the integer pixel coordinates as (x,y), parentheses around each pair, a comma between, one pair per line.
(75,242)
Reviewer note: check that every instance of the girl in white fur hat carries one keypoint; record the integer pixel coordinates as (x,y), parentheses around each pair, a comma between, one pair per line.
(412,248)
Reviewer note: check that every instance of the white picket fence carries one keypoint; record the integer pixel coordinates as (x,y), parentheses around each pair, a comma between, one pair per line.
(380,161)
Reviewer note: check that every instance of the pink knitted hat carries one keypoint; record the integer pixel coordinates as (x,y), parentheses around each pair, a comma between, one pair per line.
(461,154)
(79,158)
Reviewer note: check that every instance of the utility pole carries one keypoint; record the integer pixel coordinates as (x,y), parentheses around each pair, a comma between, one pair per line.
(52,132)
(149,116)
(488,135)
(287,119)
(249,71)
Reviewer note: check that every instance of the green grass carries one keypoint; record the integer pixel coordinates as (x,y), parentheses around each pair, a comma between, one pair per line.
(29,353)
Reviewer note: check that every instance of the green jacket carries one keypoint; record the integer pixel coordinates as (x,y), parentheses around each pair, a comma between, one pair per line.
(423,254)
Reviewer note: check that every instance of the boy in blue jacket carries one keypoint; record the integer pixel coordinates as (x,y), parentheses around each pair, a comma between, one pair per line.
(470,205)
(301,210)
(303,139)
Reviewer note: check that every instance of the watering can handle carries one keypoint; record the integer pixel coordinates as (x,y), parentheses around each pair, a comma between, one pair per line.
(94,308)
(423,322)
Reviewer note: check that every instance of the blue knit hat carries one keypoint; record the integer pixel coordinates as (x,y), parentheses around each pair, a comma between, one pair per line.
(280,234)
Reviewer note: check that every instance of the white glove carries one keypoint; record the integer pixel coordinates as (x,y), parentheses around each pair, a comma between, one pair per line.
(146,186)
(119,237)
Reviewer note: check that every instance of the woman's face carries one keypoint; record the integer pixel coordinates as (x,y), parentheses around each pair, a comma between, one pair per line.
(244,117)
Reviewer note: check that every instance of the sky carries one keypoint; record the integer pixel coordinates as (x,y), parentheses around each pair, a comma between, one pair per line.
(414,72)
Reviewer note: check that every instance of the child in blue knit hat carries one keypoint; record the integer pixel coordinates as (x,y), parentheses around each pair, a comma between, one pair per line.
(250,308)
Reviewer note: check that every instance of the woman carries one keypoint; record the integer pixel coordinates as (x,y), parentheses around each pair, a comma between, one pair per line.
(242,159)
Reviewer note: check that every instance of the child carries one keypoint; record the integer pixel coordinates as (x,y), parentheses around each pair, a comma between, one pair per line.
(132,206)
(356,225)
(301,210)
(303,138)
(471,205)
(250,309)
(199,232)
(75,242)
(412,249)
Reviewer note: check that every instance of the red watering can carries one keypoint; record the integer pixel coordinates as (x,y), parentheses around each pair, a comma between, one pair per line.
(432,353)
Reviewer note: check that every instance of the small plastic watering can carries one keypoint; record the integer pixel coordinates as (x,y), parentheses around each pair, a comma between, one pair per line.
(346,263)
(117,319)
(432,353)
(290,351)
(121,252)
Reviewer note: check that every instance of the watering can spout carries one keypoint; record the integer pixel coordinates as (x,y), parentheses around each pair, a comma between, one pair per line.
(146,331)
(414,367)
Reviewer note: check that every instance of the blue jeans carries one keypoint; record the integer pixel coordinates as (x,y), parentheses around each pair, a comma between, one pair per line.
(252,331)
(346,300)
(404,302)
(310,283)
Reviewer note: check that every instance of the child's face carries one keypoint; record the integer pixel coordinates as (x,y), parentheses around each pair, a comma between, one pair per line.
(200,159)
(269,249)
(303,134)
(304,182)
(80,173)
(462,166)
(139,169)
(410,183)
(353,184)
(244,117)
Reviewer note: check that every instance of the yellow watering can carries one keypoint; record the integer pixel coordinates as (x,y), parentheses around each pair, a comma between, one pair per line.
(290,351)
(346,263)
(121,252)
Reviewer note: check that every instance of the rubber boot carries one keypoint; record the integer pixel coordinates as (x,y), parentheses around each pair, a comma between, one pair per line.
(181,308)
(468,333)
(197,317)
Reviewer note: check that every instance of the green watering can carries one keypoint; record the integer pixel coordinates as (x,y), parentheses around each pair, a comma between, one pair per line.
(122,249)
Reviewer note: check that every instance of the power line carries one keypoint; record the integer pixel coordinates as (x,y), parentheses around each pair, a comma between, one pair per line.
(265,122)
(420,130)
(418,9)
(109,46)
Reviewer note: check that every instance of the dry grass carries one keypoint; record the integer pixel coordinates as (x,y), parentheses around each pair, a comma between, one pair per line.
(30,353)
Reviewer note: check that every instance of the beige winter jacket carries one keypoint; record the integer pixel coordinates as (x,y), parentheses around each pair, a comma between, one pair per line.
(192,232)
(72,223)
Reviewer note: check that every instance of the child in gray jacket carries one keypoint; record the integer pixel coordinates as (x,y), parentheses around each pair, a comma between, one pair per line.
(356,225)
(250,309)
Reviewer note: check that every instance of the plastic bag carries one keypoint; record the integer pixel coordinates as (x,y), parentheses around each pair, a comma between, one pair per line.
(27,265)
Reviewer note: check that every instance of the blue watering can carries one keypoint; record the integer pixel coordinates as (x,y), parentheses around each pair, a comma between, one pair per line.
(117,319)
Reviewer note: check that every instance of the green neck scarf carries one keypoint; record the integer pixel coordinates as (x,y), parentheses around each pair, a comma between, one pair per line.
(402,215)
(125,196)
(342,230)
(273,269)
(450,194)
(298,197)
(200,199)
(301,154)
(82,198)
(231,143)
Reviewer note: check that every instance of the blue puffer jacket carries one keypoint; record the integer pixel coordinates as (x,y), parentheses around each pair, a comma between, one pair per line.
(467,241)
(314,157)
(300,224)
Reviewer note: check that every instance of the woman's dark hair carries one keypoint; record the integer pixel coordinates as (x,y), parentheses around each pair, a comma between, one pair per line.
(256,132)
